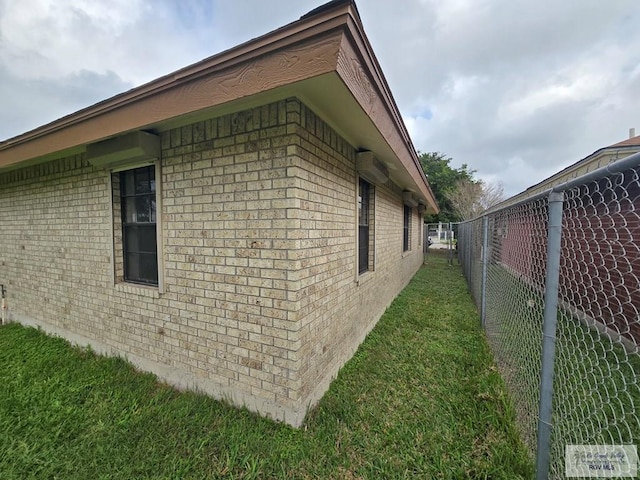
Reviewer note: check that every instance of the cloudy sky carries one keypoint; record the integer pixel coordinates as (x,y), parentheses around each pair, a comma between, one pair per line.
(515,89)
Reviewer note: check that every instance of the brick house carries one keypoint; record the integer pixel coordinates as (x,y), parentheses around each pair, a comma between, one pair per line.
(236,227)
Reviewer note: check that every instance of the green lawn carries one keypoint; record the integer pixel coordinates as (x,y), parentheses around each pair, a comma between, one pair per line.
(596,381)
(420,399)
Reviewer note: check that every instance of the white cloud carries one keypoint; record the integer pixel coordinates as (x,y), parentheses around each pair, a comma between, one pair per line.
(515,89)
(29,103)
(52,38)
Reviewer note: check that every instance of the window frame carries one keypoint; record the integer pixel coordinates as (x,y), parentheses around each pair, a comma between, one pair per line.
(364,214)
(117,235)
(131,225)
(406,228)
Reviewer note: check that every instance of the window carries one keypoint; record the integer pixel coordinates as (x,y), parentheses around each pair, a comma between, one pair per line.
(364,220)
(406,231)
(139,238)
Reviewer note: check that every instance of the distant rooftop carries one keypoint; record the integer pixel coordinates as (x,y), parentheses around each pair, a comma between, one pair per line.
(629,142)
(597,159)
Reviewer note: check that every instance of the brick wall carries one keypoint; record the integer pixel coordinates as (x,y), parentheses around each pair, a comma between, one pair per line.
(260,303)
(338,307)
(226,197)
(54,238)
(599,254)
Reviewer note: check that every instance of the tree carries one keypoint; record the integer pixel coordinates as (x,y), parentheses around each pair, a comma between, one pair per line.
(443,180)
(492,194)
(470,198)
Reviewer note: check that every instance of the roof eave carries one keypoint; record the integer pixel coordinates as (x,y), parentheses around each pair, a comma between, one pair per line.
(362,63)
(331,40)
(286,36)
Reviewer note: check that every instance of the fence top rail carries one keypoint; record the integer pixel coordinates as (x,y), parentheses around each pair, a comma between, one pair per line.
(618,166)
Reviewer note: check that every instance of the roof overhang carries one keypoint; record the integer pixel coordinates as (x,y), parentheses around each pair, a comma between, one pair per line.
(324,59)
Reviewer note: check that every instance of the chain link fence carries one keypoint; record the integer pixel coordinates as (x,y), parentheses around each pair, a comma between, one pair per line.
(441,236)
(557,280)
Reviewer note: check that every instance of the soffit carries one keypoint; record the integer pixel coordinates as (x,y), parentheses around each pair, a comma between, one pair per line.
(175,98)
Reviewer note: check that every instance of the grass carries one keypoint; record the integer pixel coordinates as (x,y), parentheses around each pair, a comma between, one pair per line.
(596,390)
(596,385)
(421,398)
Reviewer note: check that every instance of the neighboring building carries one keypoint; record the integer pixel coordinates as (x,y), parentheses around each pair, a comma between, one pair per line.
(600,257)
(597,159)
(236,227)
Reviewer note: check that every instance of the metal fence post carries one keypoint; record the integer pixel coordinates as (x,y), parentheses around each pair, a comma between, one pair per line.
(450,245)
(470,251)
(554,236)
(485,256)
